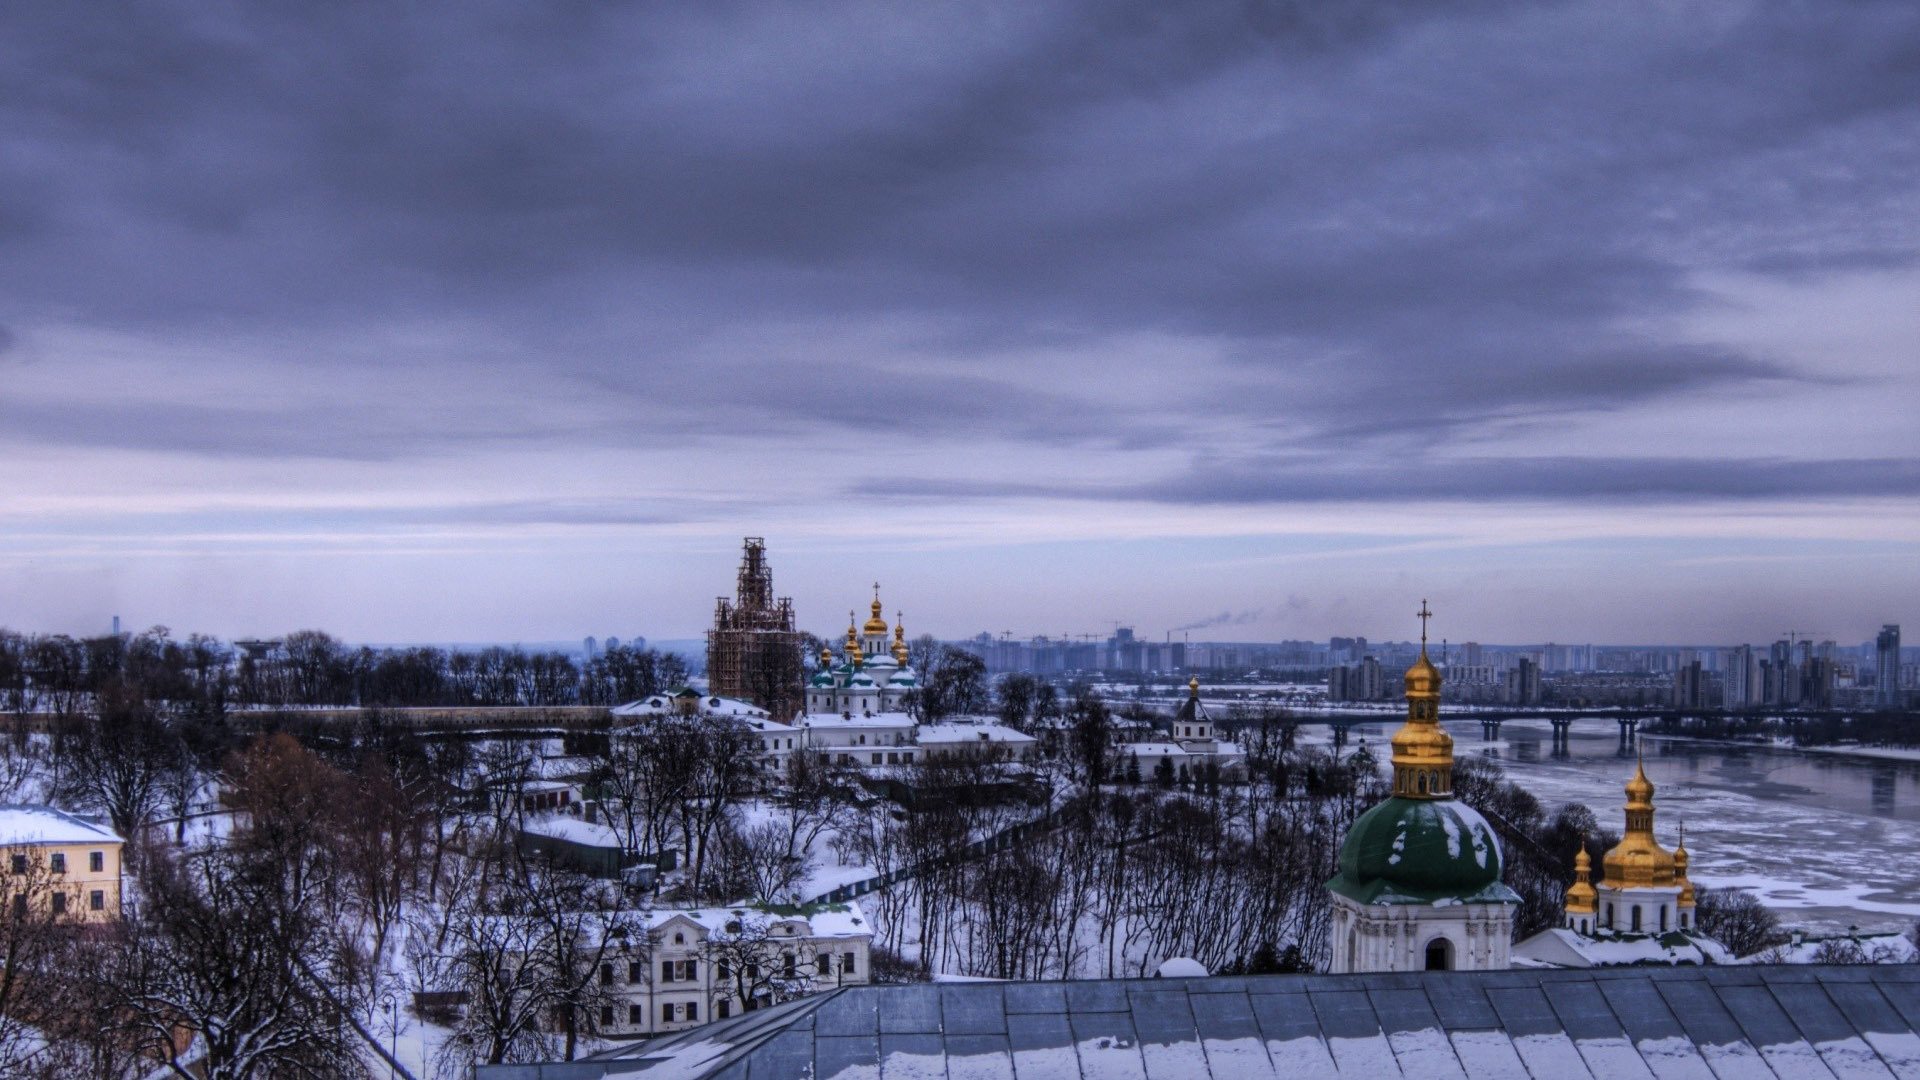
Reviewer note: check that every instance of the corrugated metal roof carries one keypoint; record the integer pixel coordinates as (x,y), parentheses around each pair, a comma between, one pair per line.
(1713,1023)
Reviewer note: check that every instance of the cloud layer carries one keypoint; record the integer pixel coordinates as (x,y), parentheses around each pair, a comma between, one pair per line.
(333,271)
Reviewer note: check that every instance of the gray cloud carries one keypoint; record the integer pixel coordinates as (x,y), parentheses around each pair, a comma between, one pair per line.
(1386,221)
(1611,479)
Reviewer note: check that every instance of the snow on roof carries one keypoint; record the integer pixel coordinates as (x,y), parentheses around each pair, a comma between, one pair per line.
(663,703)
(1610,950)
(842,920)
(833,720)
(1181,967)
(972,732)
(1155,749)
(573,830)
(29,823)
(1538,1024)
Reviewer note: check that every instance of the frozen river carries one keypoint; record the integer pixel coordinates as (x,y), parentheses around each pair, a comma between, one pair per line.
(1829,841)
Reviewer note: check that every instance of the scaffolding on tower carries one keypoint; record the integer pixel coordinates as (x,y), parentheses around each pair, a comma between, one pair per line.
(753,650)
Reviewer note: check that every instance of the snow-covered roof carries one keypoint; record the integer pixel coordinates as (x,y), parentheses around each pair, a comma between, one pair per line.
(573,830)
(971,732)
(1148,750)
(30,823)
(842,920)
(1561,947)
(863,720)
(664,703)
(1524,1024)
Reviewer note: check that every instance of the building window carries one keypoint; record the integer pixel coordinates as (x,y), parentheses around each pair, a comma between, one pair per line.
(693,1010)
(1439,955)
(97,861)
(666,971)
(723,1008)
(666,1013)
(19,903)
(97,900)
(1636,918)
(606,975)
(19,864)
(846,963)
(1663,918)
(59,903)
(606,1016)
(1609,915)
(57,862)
(634,1015)
(787,965)
(633,971)
(876,759)
(823,963)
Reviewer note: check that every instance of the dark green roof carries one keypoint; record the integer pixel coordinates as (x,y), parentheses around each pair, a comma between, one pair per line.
(1420,851)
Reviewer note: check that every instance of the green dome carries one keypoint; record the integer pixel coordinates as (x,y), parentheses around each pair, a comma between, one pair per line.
(1421,851)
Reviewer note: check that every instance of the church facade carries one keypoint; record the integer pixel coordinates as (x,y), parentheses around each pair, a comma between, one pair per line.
(871,677)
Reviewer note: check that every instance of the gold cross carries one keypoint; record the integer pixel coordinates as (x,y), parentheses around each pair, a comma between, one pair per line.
(1424,616)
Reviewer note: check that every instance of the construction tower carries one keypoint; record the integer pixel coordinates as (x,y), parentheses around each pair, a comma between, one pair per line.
(753,650)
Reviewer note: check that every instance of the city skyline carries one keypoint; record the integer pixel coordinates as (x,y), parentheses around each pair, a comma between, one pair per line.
(1582,320)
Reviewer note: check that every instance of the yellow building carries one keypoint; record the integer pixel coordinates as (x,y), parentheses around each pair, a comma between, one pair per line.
(52,857)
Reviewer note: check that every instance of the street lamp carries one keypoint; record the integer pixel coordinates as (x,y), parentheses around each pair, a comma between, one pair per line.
(391,1002)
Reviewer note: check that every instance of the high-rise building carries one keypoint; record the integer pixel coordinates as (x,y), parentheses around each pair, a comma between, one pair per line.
(1741,685)
(1687,687)
(1523,682)
(1886,667)
(1473,654)
(753,650)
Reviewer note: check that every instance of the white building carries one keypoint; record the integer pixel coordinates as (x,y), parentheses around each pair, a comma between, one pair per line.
(778,741)
(711,963)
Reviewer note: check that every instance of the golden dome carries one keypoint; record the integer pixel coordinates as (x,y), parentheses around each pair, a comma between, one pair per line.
(875,623)
(1582,898)
(1638,860)
(1639,789)
(826,657)
(854,655)
(1193,686)
(1423,679)
(1422,750)
(900,651)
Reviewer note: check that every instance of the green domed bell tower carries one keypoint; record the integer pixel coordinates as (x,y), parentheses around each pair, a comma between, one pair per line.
(1419,885)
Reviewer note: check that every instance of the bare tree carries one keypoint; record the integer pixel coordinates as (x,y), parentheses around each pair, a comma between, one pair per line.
(755,965)
(219,947)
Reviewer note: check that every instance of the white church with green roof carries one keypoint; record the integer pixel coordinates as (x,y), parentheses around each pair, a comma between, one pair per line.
(1419,887)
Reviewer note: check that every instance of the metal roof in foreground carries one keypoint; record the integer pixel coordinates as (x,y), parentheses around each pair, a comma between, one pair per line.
(1712,1023)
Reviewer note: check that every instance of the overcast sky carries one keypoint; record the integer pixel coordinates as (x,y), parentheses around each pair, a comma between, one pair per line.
(1586,321)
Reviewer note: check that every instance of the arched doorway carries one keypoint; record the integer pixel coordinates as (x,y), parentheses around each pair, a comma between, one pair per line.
(1440,955)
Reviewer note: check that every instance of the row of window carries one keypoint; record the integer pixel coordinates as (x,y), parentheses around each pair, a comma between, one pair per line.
(96,901)
(670,1012)
(689,970)
(57,862)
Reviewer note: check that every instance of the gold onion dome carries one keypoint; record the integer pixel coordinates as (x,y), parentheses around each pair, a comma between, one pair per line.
(900,641)
(1638,860)
(876,624)
(854,655)
(1193,686)
(1582,898)
(1422,750)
